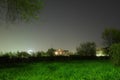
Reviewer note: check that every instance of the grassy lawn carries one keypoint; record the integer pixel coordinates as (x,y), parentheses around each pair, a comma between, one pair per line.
(72,70)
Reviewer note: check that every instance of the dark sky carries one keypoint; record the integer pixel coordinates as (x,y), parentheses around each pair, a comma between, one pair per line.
(62,24)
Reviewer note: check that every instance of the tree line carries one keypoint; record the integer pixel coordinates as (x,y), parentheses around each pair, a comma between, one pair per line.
(27,9)
(111,39)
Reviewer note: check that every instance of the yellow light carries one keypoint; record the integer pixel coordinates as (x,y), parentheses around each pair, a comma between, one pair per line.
(56,53)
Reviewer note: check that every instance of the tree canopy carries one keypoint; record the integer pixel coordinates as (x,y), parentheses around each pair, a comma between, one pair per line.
(86,49)
(51,51)
(20,9)
(111,36)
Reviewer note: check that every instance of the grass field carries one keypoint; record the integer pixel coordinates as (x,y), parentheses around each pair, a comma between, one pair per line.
(72,70)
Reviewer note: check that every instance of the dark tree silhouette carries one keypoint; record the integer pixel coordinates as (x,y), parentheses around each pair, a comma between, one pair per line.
(51,51)
(87,49)
(111,36)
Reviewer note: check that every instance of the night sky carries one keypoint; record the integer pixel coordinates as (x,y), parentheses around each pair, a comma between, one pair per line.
(62,24)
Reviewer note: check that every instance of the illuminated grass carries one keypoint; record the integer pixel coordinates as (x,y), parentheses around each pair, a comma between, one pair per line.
(74,70)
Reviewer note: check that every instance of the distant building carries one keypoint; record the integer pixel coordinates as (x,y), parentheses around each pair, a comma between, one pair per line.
(62,52)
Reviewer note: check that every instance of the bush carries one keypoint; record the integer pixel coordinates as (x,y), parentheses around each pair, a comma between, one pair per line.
(87,49)
(115,54)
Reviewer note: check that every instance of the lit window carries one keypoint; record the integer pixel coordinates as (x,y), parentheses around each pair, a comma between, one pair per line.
(56,53)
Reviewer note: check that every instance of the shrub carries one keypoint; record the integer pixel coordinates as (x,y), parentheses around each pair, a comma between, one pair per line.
(115,54)
(87,49)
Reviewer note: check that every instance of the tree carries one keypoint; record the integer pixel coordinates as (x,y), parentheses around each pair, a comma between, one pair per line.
(23,54)
(86,49)
(20,9)
(38,54)
(51,51)
(111,36)
(115,53)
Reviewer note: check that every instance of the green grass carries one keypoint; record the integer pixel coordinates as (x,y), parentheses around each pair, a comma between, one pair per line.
(74,70)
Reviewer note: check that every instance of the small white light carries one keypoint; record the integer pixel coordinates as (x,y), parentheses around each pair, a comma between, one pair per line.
(30,51)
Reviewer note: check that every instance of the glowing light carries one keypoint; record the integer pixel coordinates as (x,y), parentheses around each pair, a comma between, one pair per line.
(56,53)
(100,53)
(30,51)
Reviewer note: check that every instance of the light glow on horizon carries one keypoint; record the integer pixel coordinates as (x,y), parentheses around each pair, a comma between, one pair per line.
(30,51)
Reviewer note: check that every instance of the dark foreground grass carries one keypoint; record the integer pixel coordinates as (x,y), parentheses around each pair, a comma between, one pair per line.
(72,70)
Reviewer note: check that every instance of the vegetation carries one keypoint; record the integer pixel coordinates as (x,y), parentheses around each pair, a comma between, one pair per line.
(73,70)
(20,9)
(111,39)
(115,53)
(51,51)
(87,49)
(39,54)
(22,55)
(111,36)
